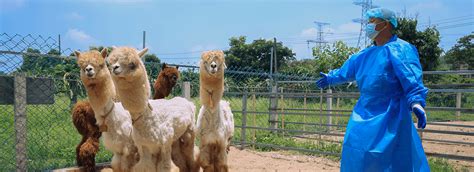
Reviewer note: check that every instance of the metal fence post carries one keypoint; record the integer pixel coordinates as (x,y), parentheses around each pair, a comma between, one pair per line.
(186,90)
(244,120)
(273,108)
(20,122)
(458,105)
(329,108)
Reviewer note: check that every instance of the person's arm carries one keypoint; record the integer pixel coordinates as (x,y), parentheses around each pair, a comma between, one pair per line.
(407,68)
(344,74)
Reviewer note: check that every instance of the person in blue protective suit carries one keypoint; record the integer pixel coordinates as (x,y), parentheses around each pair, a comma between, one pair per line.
(380,135)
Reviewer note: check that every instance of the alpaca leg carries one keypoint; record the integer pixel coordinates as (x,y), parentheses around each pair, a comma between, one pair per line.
(221,160)
(130,159)
(187,150)
(205,158)
(87,153)
(164,159)
(116,162)
(177,156)
(183,152)
(79,158)
(146,162)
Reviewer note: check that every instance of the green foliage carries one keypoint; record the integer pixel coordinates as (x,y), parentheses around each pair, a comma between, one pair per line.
(256,55)
(427,42)
(440,165)
(332,56)
(462,53)
(152,66)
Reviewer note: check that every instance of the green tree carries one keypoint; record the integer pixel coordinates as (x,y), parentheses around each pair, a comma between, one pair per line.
(462,54)
(256,55)
(332,56)
(426,41)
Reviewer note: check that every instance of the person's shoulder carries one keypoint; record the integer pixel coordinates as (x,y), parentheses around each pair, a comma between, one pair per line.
(399,43)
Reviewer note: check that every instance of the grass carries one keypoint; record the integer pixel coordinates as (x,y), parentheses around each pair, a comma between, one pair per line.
(52,138)
(442,165)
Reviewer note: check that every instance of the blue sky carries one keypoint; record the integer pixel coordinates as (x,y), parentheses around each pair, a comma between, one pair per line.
(178,31)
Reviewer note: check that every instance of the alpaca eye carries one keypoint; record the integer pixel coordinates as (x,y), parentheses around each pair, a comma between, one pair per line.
(132,66)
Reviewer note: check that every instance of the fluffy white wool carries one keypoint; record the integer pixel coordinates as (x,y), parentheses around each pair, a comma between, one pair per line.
(215,127)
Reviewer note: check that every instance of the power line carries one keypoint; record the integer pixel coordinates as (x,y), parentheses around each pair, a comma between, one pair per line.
(366,5)
(320,36)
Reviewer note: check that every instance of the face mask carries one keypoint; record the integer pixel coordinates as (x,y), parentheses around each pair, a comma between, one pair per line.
(370,30)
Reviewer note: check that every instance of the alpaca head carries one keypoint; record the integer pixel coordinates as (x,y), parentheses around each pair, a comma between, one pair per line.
(171,74)
(213,63)
(125,63)
(130,77)
(92,66)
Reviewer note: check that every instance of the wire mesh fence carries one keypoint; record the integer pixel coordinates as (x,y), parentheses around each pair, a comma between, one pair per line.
(40,84)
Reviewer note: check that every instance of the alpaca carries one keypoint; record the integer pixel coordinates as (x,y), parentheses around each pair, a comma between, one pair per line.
(85,123)
(166,81)
(215,130)
(163,130)
(111,117)
(215,124)
(211,78)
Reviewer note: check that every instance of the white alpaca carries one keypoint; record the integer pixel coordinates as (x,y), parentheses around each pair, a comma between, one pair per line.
(215,130)
(163,130)
(113,119)
(215,124)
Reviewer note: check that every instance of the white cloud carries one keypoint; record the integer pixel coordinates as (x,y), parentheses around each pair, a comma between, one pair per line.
(79,36)
(308,32)
(74,16)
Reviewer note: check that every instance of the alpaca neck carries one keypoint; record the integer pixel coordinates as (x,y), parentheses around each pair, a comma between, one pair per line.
(134,95)
(100,95)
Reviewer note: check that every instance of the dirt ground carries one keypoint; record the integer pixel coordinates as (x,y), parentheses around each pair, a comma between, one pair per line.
(281,161)
(248,160)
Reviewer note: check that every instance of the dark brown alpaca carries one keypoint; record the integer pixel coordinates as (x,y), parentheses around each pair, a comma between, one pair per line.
(166,81)
(85,123)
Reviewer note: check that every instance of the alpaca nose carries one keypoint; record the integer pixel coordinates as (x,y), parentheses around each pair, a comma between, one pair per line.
(88,69)
(116,67)
(213,65)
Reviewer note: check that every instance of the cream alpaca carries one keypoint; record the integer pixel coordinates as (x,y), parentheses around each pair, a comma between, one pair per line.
(215,124)
(110,115)
(161,128)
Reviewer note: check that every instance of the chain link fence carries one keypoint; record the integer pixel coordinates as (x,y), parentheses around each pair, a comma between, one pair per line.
(39,84)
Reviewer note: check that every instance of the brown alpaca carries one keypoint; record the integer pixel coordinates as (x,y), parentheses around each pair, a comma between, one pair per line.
(85,123)
(166,81)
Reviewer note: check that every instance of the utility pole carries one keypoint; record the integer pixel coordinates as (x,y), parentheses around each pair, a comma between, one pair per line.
(366,5)
(275,53)
(320,35)
(144,36)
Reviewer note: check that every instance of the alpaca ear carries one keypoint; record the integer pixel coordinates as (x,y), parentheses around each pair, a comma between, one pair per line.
(104,52)
(163,66)
(142,52)
(225,66)
(77,53)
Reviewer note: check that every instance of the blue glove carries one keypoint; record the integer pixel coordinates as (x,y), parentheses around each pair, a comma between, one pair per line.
(323,82)
(420,114)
